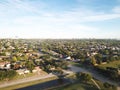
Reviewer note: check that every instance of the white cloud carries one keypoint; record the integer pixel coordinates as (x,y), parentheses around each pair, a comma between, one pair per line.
(47,24)
(47,29)
(19,7)
(64,19)
(101,17)
(116,9)
(74,15)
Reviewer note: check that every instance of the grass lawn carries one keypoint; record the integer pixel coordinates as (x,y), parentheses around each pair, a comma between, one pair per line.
(78,86)
(114,64)
(76,64)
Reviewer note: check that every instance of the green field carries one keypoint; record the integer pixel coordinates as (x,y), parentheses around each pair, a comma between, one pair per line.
(114,64)
(78,86)
(77,64)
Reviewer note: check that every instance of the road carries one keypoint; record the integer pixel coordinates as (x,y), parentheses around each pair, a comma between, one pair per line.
(25,80)
(94,74)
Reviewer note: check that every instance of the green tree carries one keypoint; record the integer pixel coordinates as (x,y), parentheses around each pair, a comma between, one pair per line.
(7,74)
(84,76)
(14,58)
(109,86)
(98,57)
(30,65)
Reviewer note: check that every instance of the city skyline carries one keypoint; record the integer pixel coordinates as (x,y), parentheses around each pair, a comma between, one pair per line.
(60,19)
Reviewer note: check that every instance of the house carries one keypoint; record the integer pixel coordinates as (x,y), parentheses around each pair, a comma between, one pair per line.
(5,65)
(88,54)
(8,66)
(26,71)
(5,57)
(37,69)
(119,71)
(76,60)
(53,68)
(34,71)
(93,53)
(2,64)
(68,58)
(7,53)
(104,63)
(22,71)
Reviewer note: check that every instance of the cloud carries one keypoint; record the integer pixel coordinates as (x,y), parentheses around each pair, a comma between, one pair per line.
(79,14)
(20,7)
(116,9)
(43,31)
(30,19)
(101,17)
(65,18)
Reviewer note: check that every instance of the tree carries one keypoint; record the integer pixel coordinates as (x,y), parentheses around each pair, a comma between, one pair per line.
(18,58)
(29,65)
(14,58)
(45,57)
(9,74)
(98,57)
(112,58)
(109,86)
(84,76)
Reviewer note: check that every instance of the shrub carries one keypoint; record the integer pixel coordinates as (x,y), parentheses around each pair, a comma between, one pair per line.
(84,76)
(109,86)
(7,74)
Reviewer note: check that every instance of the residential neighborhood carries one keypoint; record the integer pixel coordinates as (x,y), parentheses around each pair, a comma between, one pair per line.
(21,57)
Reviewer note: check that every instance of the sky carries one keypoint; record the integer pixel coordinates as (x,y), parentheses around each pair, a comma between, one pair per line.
(60,19)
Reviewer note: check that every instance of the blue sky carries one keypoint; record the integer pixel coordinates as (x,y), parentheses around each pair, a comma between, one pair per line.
(60,18)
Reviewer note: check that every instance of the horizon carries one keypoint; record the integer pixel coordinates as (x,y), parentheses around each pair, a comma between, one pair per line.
(60,38)
(60,19)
